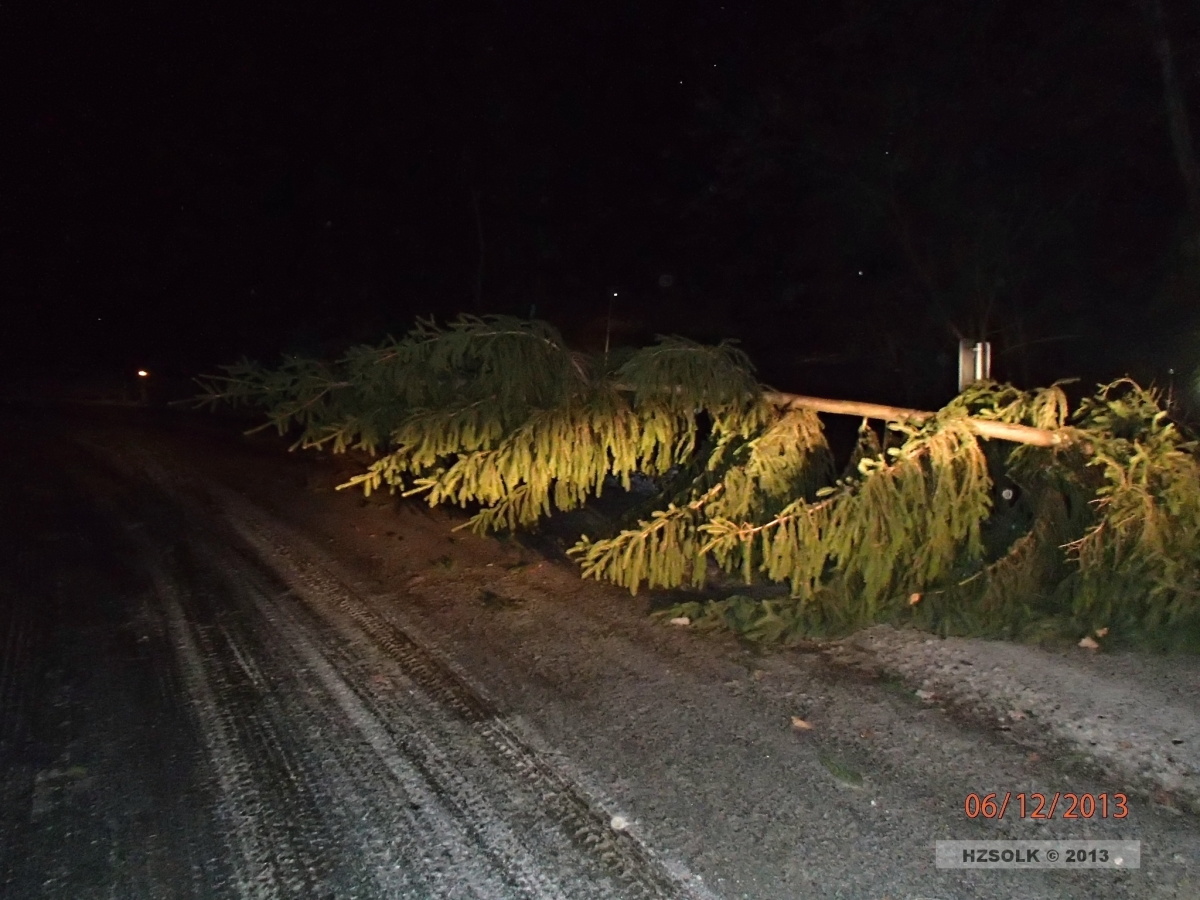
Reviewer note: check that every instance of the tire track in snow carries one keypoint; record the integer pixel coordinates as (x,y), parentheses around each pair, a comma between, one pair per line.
(473,810)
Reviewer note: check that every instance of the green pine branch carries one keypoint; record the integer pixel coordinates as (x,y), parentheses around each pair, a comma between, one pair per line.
(498,415)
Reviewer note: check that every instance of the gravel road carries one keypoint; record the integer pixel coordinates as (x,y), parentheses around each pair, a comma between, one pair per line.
(219,679)
(192,709)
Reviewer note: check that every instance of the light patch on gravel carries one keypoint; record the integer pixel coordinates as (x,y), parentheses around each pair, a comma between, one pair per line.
(1135,718)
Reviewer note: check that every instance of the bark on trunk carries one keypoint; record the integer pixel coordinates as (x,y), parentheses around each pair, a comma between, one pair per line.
(1020,434)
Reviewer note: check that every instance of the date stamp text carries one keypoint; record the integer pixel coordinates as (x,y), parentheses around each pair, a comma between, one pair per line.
(1035,805)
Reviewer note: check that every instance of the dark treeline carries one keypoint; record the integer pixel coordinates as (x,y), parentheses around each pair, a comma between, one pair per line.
(848,193)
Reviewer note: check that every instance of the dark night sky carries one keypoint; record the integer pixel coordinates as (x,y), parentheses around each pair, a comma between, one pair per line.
(844,192)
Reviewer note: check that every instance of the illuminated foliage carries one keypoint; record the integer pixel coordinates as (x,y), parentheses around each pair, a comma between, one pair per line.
(1098,535)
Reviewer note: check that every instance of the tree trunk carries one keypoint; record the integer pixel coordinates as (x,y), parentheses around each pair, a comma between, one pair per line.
(1176,109)
(1020,434)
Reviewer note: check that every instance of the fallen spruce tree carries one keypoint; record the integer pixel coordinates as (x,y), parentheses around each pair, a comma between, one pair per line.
(1097,533)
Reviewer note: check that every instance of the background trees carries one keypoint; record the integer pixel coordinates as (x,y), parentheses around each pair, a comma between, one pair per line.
(845,192)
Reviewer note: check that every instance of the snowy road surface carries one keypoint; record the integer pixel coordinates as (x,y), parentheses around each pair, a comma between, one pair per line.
(216,685)
(193,709)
